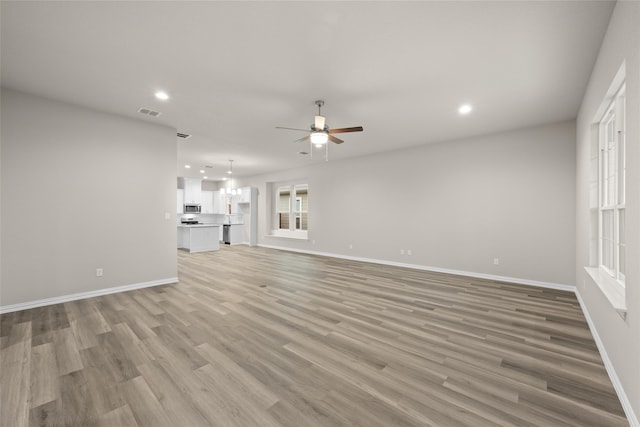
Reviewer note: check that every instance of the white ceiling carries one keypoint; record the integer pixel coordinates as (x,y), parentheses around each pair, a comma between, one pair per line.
(235,70)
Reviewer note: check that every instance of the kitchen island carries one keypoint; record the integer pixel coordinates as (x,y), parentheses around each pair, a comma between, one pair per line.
(199,237)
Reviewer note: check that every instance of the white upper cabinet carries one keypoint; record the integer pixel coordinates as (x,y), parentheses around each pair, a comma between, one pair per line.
(192,190)
(233,200)
(207,202)
(245,196)
(219,203)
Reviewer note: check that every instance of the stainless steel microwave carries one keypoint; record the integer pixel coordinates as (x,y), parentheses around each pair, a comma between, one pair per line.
(192,209)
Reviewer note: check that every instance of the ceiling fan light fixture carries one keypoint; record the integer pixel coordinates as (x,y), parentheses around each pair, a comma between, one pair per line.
(319,138)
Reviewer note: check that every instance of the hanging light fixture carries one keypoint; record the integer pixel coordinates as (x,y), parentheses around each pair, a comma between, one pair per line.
(230,190)
(319,138)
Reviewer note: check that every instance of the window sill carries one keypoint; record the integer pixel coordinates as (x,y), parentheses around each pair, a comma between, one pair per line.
(611,289)
(287,234)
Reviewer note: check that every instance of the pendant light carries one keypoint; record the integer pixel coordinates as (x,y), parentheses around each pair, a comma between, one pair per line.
(230,190)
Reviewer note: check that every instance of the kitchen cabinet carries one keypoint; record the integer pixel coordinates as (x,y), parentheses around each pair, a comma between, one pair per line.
(219,203)
(233,234)
(248,209)
(180,204)
(245,195)
(199,237)
(207,202)
(192,190)
(233,200)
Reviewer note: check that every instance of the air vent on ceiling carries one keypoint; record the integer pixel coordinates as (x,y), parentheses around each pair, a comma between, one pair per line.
(183,135)
(149,112)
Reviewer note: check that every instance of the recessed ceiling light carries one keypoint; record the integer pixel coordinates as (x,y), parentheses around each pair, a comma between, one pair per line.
(205,177)
(465,109)
(229,172)
(187,166)
(161,95)
(224,179)
(201,170)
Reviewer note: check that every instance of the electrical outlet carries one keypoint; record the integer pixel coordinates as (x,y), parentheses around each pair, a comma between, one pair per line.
(313,242)
(408,251)
(496,261)
(401,251)
(350,245)
(167,215)
(98,272)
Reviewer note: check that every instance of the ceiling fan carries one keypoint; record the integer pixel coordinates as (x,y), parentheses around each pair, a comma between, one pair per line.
(320,132)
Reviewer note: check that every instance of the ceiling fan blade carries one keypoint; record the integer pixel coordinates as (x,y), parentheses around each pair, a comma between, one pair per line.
(303,139)
(343,130)
(281,127)
(334,139)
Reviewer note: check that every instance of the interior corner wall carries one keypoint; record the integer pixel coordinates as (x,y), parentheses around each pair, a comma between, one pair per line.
(456,205)
(82,190)
(620,337)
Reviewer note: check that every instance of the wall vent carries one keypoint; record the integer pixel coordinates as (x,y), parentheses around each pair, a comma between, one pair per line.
(149,112)
(183,135)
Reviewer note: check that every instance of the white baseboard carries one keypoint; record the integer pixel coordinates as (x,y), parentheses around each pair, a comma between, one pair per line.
(617,385)
(624,400)
(558,286)
(84,295)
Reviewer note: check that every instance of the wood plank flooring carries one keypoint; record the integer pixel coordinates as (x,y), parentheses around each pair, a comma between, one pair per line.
(259,337)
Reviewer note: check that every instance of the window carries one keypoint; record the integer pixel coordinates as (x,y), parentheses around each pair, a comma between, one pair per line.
(283,204)
(291,210)
(302,206)
(611,189)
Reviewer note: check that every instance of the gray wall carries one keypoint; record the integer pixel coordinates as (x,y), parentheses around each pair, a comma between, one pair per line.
(620,337)
(457,205)
(83,190)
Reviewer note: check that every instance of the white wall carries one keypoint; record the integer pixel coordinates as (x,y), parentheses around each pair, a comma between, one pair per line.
(83,190)
(456,205)
(620,337)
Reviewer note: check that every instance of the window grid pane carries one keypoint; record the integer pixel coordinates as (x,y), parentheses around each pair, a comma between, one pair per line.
(284,204)
(607,239)
(611,186)
(621,243)
(302,207)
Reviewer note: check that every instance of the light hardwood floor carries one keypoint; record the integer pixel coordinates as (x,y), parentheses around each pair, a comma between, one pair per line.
(259,337)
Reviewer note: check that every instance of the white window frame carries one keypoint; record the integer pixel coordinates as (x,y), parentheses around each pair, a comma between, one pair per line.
(611,189)
(292,231)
